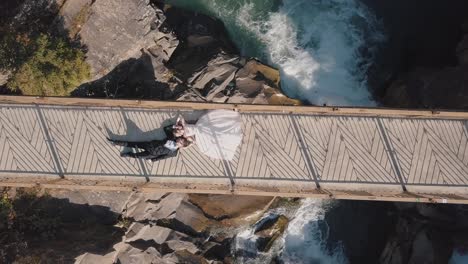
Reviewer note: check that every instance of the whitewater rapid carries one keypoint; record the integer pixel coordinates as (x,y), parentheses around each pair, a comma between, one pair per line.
(323,48)
(304,240)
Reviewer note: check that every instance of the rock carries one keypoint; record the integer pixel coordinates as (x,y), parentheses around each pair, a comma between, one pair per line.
(178,245)
(171,211)
(269,229)
(398,248)
(115,201)
(139,206)
(365,238)
(228,79)
(4,76)
(89,258)
(462,51)
(175,54)
(397,95)
(191,95)
(201,39)
(184,256)
(220,207)
(437,214)
(425,88)
(138,231)
(130,255)
(111,37)
(214,250)
(258,83)
(188,219)
(425,233)
(422,251)
(39,11)
(73,15)
(445,88)
(391,253)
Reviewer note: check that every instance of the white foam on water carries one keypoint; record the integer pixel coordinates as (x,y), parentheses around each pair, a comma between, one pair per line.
(323,48)
(316,45)
(304,241)
(458,258)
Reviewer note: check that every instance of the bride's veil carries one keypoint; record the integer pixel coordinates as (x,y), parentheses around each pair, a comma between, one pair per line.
(219,133)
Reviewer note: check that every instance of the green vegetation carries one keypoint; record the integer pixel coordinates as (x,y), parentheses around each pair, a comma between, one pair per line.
(43,65)
(6,211)
(36,227)
(13,50)
(124,223)
(24,215)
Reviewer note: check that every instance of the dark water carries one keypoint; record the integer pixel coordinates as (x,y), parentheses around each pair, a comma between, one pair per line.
(338,52)
(322,48)
(341,52)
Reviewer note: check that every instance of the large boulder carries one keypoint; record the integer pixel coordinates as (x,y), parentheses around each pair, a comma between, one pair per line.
(167,53)
(126,254)
(111,31)
(90,258)
(462,51)
(163,228)
(184,256)
(426,233)
(172,210)
(269,229)
(422,87)
(114,201)
(209,65)
(428,88)
(222,207)
(156,234)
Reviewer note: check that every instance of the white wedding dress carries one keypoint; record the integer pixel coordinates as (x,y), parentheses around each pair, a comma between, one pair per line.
(217,133)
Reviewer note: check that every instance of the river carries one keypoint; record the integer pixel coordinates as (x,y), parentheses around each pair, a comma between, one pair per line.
(323,49)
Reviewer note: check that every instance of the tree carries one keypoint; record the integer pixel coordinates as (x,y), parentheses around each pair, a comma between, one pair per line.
(54,68)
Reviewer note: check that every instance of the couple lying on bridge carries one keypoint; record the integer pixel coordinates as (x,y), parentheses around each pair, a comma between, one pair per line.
(217,134)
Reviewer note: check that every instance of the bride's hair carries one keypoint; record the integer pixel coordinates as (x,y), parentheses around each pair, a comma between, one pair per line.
(178,132)
(183,141)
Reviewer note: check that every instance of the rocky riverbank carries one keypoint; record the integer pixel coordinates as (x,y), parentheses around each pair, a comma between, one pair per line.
(149,50)
(422,64)
(443,87)
(122,227)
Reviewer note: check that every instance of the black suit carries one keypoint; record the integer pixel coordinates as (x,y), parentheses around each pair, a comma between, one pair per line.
(153,150)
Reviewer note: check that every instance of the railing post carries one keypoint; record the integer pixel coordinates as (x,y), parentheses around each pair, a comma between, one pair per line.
(391,154)
(141,163)
(305,153)
(50,143)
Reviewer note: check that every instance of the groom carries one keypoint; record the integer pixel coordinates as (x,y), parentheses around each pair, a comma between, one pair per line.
(155,150)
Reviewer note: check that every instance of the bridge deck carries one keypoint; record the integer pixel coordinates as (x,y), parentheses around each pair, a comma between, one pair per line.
(315,152)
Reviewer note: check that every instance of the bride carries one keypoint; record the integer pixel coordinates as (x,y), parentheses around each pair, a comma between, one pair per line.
(217,133)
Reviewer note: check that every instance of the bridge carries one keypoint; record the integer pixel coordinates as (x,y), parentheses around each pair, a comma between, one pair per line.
(295,151)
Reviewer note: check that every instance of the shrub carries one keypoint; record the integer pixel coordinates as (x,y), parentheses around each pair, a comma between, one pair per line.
(6,209)
(13,50)
(54,68)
